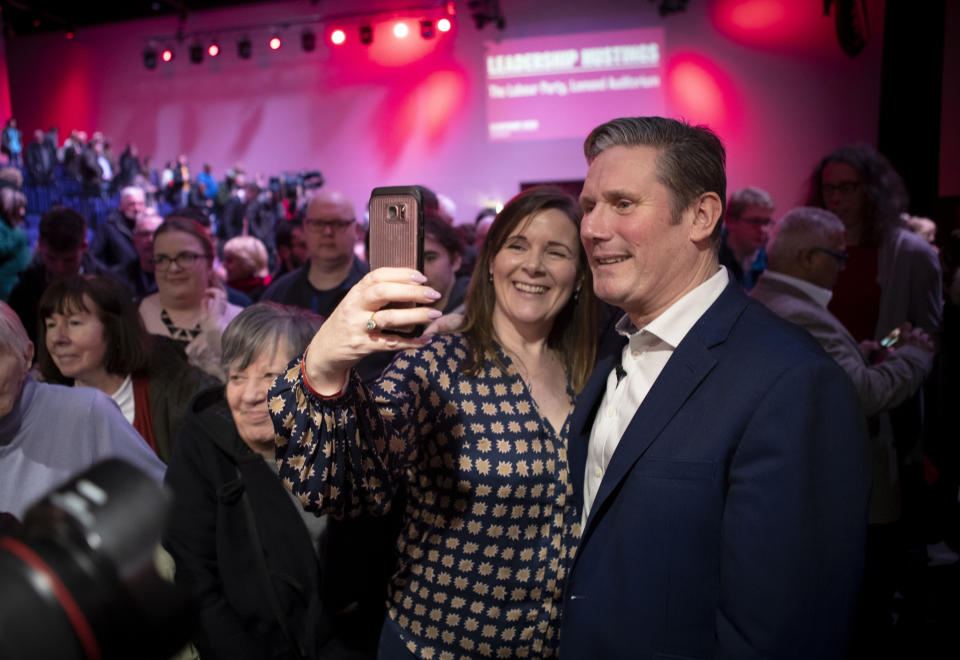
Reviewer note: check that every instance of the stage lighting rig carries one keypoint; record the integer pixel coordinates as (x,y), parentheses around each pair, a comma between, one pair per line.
(150,58)
(244,48)
(427,30)
(308,41)
(487,11)
(366,35)
(196,52)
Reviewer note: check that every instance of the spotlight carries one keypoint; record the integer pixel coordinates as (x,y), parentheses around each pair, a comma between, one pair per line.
(166,55)
(196,53)
(244,48)
(426,29)
(69,34)
(366,35)
(444,25)
(150,58)
(308,41)
(213,50)
(338,36)
(274,43)
(400,30)
(450,8)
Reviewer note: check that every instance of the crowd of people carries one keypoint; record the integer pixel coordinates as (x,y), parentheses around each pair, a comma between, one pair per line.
(655,421)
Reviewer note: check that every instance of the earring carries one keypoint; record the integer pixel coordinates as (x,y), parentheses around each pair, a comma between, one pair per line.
(490,277)
(576,295)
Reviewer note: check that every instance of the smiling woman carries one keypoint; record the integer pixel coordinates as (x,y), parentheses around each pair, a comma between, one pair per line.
(91,335)
(190,305)
(468,429)
(242,545)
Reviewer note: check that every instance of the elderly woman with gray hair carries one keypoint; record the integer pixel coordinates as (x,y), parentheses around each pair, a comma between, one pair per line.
(253,559)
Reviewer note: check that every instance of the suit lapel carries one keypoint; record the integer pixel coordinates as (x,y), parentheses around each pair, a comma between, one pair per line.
(690,363)
(586,409)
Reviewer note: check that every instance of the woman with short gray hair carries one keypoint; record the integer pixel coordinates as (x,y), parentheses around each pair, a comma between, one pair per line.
(234,528)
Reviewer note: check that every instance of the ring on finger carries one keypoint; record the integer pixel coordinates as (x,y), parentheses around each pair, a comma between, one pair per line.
(371,323)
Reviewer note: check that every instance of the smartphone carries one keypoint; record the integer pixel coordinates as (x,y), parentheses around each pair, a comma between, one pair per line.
(396,235)
(891,339)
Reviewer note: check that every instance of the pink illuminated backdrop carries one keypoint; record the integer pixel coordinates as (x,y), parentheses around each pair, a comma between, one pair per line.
(767,75)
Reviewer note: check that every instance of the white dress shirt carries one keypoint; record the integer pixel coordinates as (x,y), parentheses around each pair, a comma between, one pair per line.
(643,358)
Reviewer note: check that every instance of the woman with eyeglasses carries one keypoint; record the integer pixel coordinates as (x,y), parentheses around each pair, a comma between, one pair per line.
(190,304)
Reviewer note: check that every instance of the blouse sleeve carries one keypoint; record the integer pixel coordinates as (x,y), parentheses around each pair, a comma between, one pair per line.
(348,455)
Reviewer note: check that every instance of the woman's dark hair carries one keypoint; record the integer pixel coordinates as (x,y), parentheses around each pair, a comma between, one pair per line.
(884,192)
(127,340)
(574,332)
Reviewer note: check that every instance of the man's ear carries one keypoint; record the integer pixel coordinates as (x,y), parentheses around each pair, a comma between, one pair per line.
(28,354)
(456,262)
(706,212)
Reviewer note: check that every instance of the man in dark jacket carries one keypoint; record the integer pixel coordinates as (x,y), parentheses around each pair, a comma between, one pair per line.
(113,244)
(61,252)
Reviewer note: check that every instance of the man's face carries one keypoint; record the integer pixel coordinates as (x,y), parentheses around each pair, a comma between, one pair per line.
(330,230)
(61,263)
(748,233)
(440,267)
(132,206)
(641,260)
(143,238)
(13,369)
(827,260)
(843,193)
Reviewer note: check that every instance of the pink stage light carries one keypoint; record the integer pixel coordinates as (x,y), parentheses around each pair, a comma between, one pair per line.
(166,55)
(400,30)
(213,50)
(444,25)
(337,37)
(275,43)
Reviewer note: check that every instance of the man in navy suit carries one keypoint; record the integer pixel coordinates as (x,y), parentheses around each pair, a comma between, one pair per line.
(721,456)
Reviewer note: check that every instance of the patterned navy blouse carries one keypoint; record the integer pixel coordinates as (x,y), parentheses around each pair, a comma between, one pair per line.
(489,525)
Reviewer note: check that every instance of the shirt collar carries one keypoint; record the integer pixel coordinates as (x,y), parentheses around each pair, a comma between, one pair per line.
(820,295)
(675,322)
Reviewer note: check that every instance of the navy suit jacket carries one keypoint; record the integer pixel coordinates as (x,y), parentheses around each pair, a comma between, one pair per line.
(731,520)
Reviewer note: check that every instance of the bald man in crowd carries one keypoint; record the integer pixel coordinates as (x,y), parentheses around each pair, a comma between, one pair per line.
(330,229)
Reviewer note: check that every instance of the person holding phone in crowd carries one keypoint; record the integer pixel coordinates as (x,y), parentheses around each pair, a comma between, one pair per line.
(471,427)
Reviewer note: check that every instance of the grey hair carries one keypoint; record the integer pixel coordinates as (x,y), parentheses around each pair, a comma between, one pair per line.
(801,228)
(131,191)
(13,336)
(266,326)
(691,160)
(741,200)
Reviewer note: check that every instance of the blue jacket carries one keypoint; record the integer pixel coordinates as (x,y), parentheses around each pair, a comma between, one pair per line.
(731,520)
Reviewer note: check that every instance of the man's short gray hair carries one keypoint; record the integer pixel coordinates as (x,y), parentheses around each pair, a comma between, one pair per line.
(13,336)
(801,228)
(741,200)
(691,160)
(266,326)
(133,191)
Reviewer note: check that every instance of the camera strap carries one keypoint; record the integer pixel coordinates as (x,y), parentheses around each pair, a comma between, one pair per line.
(264,572)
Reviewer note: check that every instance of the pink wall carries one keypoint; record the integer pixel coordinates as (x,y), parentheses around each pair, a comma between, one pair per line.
(5,107)
(766,74)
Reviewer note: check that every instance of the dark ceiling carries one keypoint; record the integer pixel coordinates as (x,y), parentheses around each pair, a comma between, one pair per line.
(23,18)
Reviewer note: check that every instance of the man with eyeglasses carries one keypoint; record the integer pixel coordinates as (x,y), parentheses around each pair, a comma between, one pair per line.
(745,229)
(330,230)
(137,273)
(805,257)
